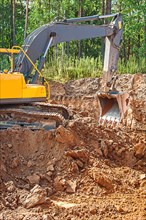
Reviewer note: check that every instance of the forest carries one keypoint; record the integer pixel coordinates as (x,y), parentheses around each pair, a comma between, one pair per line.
(79,58)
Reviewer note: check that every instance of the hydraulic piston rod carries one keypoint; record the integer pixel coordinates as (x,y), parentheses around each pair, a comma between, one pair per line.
(88,18)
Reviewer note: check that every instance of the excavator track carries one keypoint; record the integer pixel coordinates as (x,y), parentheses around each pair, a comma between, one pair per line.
(34,116)
(56,108)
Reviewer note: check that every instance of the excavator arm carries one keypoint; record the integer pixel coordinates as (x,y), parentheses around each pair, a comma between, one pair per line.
(39,41)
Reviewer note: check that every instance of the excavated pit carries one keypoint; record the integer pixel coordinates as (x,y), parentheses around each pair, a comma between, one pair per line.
(83,170)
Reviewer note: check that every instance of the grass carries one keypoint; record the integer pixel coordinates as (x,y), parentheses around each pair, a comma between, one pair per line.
(74,68)
(70,68)
(132,66)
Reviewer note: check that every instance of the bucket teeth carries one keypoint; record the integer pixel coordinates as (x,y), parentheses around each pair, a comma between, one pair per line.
(109,122)
(100,121)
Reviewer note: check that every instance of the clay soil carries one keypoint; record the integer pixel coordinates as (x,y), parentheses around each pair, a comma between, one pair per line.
(82,170)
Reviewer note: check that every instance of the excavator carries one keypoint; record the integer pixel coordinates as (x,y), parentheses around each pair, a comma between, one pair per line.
(24,91)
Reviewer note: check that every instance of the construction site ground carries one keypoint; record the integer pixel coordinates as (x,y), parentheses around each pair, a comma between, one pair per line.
(81,170)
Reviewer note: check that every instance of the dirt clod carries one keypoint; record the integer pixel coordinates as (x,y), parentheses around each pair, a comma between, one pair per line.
(35,197)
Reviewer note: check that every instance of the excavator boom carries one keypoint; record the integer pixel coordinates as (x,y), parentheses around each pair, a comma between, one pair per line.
(65,31)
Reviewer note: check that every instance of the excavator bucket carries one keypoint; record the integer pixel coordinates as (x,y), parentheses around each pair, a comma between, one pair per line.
(112,107)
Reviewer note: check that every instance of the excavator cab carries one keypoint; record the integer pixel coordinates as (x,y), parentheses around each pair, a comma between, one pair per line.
(13,87)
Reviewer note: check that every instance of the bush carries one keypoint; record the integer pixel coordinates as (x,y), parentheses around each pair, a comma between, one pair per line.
(132,66)
(71,68)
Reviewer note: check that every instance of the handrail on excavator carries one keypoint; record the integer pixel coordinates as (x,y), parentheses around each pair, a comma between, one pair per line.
(89,18)
(35,67)
(11,51)
(28,59)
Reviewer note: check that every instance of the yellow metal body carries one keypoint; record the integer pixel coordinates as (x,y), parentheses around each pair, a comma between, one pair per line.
(12,51)
(13,89)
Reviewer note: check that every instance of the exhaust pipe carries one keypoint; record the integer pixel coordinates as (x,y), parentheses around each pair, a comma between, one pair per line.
(112,106)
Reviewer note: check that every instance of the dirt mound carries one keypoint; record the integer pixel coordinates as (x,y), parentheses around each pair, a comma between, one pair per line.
(81,171)
(80,96)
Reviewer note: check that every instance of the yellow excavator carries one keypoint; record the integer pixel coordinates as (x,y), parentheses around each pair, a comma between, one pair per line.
(23,99)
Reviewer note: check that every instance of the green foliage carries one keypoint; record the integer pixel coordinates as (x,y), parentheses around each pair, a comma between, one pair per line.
(132,66)
(83,61)
(134,27)
(70,68)
(6,26)
(4,62)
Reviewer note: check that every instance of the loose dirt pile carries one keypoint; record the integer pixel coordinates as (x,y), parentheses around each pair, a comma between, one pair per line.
(83,170)
(81,97)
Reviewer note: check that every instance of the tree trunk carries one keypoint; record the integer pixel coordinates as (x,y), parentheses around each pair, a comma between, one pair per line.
(145,38)
(63,53)
(14,22)
(138,44)
(129,48)
(124,50)
(26,19)
(80,14)
(2,23)
(56,51)
(67,49)
(49,10)
(103,7)
(66,14)
(103,39)
(108,6)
